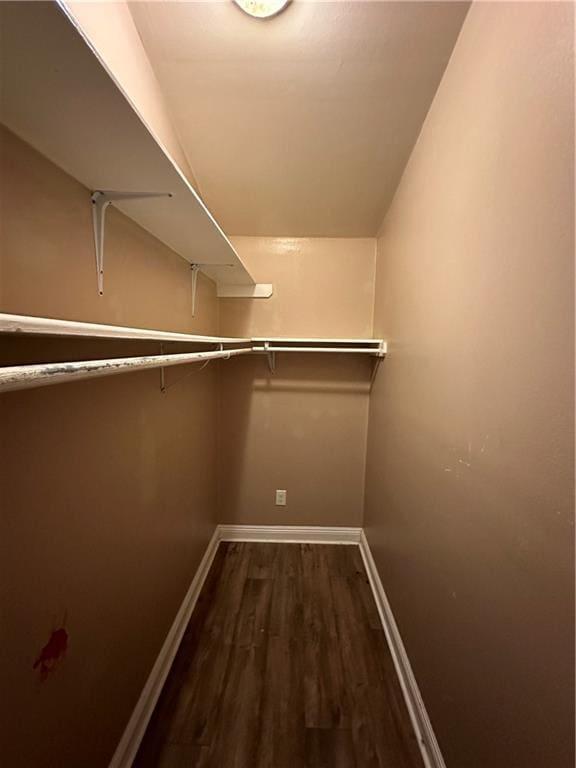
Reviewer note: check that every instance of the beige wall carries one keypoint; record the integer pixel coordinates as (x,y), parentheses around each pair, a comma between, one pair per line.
(322,287)
(469,506)
(107,487)
(302,429)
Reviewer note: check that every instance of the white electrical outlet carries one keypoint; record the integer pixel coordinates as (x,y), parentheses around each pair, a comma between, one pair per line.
(280,498)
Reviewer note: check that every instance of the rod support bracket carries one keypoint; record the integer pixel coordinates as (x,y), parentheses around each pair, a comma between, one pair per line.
(271,356)
(221,349)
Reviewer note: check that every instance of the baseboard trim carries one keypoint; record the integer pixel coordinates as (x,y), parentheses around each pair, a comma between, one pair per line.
(429,748)
(134,732)
(290,534)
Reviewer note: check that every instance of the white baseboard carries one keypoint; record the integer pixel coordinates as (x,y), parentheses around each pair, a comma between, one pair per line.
(134,733)
(431,754)
(136,728)
(290,534)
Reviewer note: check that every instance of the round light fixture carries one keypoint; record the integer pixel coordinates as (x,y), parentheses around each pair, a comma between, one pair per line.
(262,9)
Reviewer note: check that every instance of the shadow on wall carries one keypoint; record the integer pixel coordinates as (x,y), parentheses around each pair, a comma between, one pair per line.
(302,429)
(322,374)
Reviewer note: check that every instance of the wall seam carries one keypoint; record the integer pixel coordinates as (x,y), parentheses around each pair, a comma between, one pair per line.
(367,409)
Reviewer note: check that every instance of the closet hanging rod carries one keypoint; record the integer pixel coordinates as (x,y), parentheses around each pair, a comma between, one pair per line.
(47,326)
(17,377)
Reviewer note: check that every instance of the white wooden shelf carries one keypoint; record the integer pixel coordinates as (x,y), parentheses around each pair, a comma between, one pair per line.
(311,340)
(26,325)
(57,96)
(329,347)
(269,344)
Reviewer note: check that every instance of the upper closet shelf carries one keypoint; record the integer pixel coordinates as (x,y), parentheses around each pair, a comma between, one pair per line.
(268,344)
(58,96)
(26,325)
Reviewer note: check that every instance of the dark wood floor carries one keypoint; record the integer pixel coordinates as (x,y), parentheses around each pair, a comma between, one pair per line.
(284,665)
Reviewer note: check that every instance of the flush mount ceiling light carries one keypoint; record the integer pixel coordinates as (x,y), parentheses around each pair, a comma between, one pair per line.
(262,9)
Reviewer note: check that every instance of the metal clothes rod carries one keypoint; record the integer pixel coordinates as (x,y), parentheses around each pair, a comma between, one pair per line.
(47,326)
(41,375)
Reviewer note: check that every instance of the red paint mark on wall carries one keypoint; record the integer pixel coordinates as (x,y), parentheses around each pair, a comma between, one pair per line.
(52,652)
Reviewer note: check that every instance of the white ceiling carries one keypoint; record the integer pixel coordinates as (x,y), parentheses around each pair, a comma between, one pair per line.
(300,125)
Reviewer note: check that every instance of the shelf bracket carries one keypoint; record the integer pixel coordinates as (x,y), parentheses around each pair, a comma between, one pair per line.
(194,268)
(271,357)
(100,200)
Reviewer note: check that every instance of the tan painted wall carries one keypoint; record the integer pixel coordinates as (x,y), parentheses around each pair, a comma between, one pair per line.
(107,488)
(322,287)
(469,505)
(303,429)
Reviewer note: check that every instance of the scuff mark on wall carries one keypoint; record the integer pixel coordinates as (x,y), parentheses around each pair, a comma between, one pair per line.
(51,653)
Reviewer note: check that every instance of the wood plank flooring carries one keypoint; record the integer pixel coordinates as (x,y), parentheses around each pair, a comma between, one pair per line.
(284,665)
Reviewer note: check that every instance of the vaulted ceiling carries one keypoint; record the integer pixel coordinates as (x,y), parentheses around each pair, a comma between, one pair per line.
(300,125)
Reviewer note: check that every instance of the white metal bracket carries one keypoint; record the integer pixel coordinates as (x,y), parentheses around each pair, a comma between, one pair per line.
(195,269)
(221,349)
(100,200)
(271,357)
